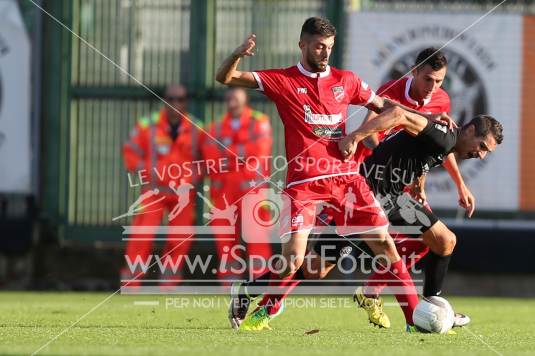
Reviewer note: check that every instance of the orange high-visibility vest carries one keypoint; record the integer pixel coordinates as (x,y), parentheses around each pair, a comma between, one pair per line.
(151,148)
(251,141)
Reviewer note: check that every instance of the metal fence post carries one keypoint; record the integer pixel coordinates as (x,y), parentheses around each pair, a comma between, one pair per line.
(201,78)
(55,99)
(335,13)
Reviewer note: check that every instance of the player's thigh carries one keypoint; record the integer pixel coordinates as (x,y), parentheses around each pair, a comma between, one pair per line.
(440,239)
(365,216)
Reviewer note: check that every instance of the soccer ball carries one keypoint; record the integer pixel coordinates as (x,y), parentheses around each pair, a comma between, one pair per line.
(433,315)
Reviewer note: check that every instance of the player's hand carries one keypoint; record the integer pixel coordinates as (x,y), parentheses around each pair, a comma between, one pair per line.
(467,200)
(443,119)
(417,192)
(246,48)
(348,147)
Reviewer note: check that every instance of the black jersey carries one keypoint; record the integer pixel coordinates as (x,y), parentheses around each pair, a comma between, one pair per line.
(401,158)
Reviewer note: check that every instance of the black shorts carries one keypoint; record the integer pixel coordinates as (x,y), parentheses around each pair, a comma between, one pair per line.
(406,216)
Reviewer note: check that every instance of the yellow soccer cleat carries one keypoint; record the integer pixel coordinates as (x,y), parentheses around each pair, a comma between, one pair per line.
(374,308)
(256,321)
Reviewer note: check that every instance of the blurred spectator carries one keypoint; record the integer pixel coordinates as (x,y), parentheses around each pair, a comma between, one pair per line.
(159,145)
(245,133)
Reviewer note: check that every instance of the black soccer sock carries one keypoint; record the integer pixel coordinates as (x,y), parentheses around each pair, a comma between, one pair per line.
(436,269)
(260,281)
(261,285)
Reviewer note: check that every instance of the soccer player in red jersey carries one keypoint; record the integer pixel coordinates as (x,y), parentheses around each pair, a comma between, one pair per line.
(420,92)
(312,100)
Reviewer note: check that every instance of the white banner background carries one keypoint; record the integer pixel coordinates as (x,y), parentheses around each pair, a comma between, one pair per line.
(484,74)
(15,175)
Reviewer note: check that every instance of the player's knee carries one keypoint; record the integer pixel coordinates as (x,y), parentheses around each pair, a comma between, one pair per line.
(448,242)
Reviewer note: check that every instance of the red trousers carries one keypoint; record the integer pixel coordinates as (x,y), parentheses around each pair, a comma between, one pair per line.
(250,215)
(140,245)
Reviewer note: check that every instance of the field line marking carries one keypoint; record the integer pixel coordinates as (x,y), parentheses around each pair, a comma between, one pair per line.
(74,323)
(483,341)
(268,179)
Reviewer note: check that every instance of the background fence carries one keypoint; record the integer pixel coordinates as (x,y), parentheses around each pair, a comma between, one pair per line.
(89,106)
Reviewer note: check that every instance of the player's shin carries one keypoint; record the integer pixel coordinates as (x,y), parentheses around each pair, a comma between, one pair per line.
(395,273)
(436,269)
(411,251)
(278,291)
(405,294)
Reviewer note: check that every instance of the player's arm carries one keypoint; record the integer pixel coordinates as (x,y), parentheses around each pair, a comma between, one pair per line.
(417,190)
(466,199)
(228,72)
(380,104)
(371,141)
(413,123)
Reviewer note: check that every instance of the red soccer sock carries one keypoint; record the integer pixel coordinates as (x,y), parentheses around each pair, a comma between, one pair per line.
(399,278)
(411,251)
(278,290)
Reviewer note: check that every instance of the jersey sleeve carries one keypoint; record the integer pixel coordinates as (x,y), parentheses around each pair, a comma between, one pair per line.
(447,105)
(437,138)
(270,82)
(388,90)
(362,94)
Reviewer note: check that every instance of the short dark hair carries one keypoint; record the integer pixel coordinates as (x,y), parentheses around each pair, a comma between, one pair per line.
(485,124)
(317,26)
(433,57)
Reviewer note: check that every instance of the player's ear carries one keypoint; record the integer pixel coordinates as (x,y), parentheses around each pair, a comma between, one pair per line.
(471,130)
(414,71)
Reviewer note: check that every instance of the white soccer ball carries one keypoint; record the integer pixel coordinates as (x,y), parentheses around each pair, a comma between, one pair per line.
(434,315)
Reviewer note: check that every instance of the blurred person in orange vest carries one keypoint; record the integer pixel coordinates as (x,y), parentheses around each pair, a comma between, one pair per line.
(243,148)
(157,154)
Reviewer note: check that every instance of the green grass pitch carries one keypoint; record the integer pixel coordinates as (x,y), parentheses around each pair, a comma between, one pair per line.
(188,326)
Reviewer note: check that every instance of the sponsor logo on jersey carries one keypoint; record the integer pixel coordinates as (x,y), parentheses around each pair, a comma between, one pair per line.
(346,251)
(329,132)
(301,90)
(442,128)
(321,119)
(297,220)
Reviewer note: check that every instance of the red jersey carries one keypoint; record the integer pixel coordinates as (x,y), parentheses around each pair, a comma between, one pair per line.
(313,109)
(398,90)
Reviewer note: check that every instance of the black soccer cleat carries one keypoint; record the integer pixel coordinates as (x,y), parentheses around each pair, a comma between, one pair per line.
(238,307)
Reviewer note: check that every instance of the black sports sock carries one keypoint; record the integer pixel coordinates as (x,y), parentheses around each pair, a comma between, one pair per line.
(261,281)
(436,269)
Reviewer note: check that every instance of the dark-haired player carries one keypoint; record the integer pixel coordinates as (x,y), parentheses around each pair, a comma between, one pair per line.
(422,92)
(412,152)
(312,100)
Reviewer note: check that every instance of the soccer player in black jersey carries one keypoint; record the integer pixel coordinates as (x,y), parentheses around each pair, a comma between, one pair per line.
(402,159)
